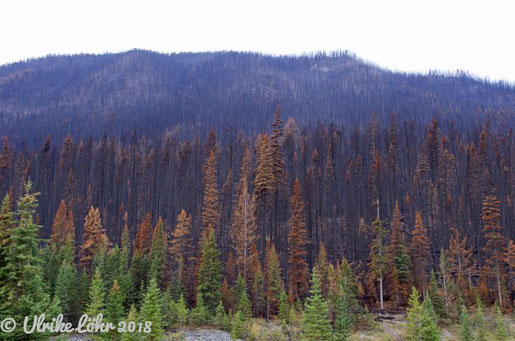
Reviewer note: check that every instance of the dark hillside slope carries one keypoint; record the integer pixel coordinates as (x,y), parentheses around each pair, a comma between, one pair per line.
(89,95)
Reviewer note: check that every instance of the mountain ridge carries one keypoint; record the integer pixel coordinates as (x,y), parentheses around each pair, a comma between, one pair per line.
(145,91)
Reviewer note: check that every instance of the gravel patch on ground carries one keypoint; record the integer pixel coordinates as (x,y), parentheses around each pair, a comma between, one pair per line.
(206,335)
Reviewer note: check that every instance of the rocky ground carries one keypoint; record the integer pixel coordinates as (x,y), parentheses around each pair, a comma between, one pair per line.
(207,335)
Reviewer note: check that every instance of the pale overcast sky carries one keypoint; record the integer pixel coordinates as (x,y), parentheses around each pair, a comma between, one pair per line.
(475,36)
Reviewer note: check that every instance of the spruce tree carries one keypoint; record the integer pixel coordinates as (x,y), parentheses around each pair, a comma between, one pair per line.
(158,255)
(96,295)
(501,331)
(273,282)
(343,314)
(132,317)
(238,328)
(419,253)
(23,290)
(378,260)
(114,312)
(199,316)
(316,325)
(210,272)
(151,311)
(429,330)
(284,308)
(182,312)
(479,321)
(436,296)
(66,290)
(398,260)
(465,325)
(414,317)
(218,321)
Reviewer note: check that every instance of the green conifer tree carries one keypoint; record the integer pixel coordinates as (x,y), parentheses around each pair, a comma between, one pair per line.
(479,321)
(132,317)
(199,316)
(343,314)
(210,272)
(501,331)
(66,290)
(429,330)
(414,317)
(436,296)
(182,312)
(96,295)
(316,325)
(23,289)
(151,311)
(284,308)
(238,328)
(218,320)
(158,254)
(114,312)
(465,326)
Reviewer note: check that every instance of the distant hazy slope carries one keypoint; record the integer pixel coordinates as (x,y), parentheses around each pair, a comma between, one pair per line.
(149,92)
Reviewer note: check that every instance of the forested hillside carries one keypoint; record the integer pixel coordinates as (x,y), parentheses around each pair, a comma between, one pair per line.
(89,95)
(176,182)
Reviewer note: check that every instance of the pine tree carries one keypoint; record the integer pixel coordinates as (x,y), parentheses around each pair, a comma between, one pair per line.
(125,279)
(297,239)
(6,225)
(459,257)
(479,321)
(414,317)
(238,290)
(114,312)
(244,304)
(23,290)
(219,315)
(210,272)
(199,316)
(181,247)
(501,331)
(151,311)
(243,228)
(378,259)
(182,312)
(436,296)
(210,205)
(95,239)
(321,266)
(238,328)
(158,255)
(316,325)
(495,243)
(398,261)
(419,252)
(263,186)
(273,282)
(284,308)
(465,325)
(62,227)
(345,303)
(429,330)
(258,285)
(132,317)
(66,290)
(96,295)
(143,240)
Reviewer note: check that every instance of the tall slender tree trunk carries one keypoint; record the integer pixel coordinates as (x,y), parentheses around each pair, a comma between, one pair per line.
(381,290)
